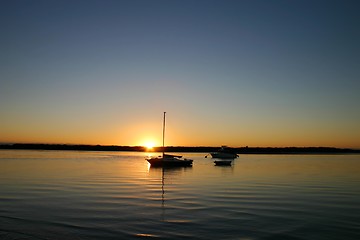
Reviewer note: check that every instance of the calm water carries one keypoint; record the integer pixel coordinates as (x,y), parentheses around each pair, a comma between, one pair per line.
(112,195)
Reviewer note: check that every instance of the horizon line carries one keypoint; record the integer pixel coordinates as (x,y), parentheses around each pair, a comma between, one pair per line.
(176,146)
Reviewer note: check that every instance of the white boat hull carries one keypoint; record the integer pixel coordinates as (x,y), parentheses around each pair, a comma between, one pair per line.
(223,155)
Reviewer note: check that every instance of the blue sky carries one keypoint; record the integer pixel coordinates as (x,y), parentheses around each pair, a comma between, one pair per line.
(257,73)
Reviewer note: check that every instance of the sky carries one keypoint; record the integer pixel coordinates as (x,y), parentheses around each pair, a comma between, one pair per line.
(237,73)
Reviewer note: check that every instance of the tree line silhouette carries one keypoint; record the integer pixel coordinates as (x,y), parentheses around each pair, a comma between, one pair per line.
(238,150)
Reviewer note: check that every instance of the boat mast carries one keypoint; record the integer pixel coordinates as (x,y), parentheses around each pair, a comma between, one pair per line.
(163,153)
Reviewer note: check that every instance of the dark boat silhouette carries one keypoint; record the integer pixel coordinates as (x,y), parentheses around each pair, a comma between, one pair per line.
(223,162)
(167,160)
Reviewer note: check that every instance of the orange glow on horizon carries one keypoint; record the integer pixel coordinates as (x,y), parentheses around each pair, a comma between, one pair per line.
(149,145)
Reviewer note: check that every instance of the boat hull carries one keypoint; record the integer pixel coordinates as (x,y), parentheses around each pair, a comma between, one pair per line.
(223,162)
(224,155)
(164,162)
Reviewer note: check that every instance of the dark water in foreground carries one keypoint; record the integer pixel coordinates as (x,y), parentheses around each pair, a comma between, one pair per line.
(112,195)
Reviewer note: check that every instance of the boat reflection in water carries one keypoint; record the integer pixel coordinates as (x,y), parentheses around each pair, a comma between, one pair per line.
(169,176)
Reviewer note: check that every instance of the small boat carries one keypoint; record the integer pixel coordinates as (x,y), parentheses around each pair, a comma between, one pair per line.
(167,160)
(224,153)
(223,162)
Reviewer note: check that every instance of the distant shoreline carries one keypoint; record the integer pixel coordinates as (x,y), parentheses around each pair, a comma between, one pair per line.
(238,150)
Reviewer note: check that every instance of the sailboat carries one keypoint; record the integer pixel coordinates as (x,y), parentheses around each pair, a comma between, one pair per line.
(167,160)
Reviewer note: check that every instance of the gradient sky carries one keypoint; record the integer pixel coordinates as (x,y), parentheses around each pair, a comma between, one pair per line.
(239,73)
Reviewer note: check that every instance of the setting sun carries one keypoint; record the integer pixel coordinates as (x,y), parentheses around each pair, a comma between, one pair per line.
(149,145)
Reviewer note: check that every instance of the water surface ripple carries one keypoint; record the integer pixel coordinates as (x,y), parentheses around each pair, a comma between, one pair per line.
(112,195)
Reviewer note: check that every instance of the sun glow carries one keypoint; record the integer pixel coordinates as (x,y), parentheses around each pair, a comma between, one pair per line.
(149,145)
